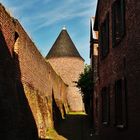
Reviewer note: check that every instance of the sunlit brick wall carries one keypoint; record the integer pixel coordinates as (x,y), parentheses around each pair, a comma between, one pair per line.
(26,85)
(69,69)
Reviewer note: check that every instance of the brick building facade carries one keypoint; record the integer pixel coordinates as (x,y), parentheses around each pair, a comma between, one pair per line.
(28,85)
(117,87)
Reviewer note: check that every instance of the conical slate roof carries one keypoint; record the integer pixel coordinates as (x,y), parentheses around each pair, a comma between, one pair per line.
(63,47)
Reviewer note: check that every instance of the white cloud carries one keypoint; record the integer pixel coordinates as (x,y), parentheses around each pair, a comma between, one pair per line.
(68,10)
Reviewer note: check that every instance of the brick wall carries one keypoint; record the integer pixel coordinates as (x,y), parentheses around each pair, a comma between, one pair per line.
(70,68)
(16,115)
(41,79)
(27,83)
(122,61)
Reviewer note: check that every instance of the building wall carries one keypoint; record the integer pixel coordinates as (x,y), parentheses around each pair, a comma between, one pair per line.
(122,61)
(16,118)
(36,73)
(27,83)
(69,70)
(95,78)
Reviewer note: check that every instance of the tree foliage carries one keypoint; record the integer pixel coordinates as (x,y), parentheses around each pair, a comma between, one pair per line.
(85,84)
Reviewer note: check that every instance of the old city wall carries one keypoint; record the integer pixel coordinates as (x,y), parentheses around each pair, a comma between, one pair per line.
(30,82)
(69,68)
(13,106)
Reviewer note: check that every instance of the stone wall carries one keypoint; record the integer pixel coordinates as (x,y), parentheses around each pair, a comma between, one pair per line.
(27,83)
(16,119)
(70,68)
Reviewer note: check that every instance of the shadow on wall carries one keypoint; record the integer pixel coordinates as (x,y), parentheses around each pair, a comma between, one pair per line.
(16,118)
(57,118)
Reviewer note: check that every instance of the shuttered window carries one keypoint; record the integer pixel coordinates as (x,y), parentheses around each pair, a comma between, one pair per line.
(105,105)
(120,103)
(118,22)
(104,37)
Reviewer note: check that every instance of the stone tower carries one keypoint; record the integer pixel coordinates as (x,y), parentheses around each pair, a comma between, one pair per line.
(67,62)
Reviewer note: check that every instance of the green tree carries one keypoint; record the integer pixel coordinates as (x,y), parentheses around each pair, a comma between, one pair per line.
(85,85)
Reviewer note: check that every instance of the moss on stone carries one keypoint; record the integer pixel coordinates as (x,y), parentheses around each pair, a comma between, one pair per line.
(76,113)
(53,135)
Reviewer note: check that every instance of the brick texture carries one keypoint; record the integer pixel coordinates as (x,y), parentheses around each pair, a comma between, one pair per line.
(123,60)
(69,68)
(27,83)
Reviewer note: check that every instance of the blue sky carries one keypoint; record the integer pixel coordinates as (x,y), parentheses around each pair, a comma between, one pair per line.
(43,20)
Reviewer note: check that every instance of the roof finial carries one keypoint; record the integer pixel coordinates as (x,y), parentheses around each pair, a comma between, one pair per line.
(64,27)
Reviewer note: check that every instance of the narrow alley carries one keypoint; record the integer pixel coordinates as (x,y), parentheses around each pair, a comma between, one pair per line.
(76,127)
(69,70)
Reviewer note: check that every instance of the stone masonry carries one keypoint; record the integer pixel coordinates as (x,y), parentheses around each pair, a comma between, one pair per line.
(27,83)
(67,62)
(69,69)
